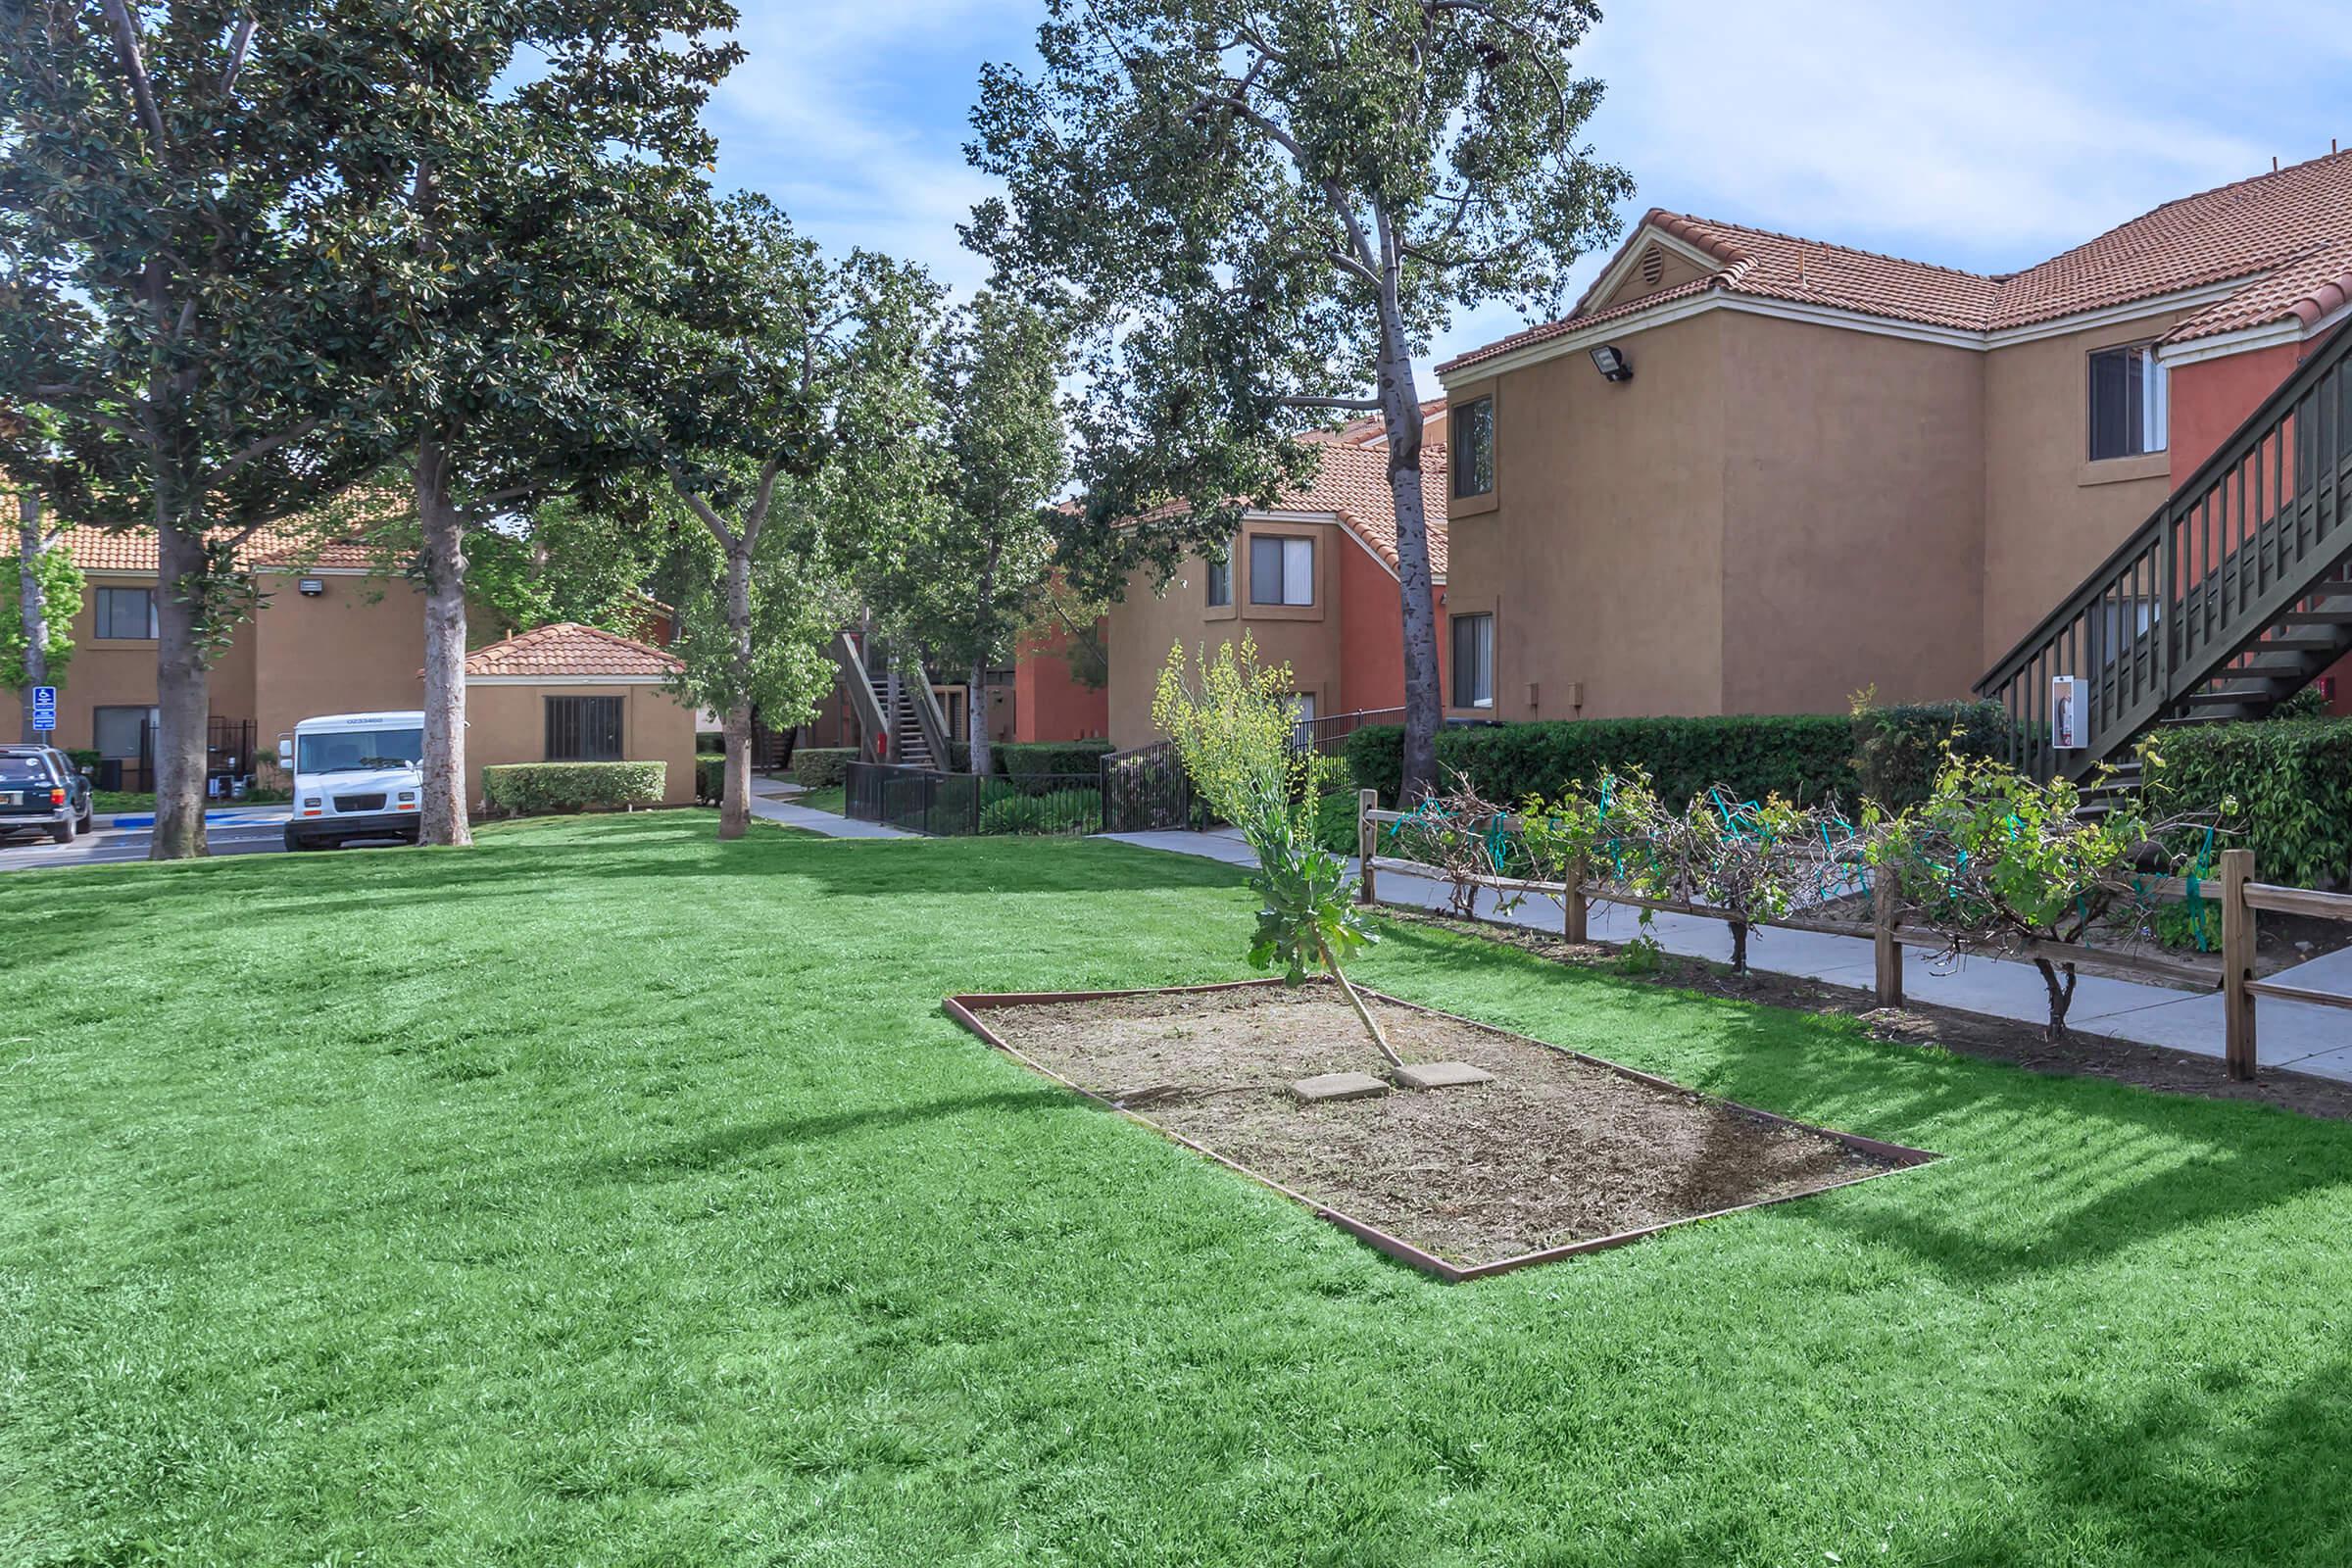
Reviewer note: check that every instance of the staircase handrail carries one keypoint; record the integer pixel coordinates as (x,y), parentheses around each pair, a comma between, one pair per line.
(861,687)
(2256,429)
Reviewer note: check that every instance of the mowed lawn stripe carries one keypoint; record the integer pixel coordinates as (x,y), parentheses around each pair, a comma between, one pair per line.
(610,1195)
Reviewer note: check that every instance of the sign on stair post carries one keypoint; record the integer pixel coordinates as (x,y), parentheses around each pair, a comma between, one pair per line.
(2066,714)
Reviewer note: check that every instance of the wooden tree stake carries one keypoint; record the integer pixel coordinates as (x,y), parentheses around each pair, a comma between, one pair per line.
(1367,843)
(1572,902)
(1890,952)
(2237,963)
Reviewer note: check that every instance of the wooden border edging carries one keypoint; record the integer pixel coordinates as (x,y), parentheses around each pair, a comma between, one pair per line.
(965,1010)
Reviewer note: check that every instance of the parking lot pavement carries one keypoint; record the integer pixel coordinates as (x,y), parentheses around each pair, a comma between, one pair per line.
(246,830)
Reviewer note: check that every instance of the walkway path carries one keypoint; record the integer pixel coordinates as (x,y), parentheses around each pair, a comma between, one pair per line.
(772,800)
(2296,1035)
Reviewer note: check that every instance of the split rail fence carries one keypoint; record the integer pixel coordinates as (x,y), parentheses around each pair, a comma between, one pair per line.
(2238,896)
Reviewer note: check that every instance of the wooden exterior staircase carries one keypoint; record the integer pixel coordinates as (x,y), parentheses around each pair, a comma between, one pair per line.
(2233,597)
(892,702)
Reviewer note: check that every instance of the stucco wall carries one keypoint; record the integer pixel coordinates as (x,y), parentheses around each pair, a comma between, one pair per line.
(1145,624)
(1049,704)
(2050,514)
(509,724)
(356,648)
(1602,556)
(1853,529)
(121,672)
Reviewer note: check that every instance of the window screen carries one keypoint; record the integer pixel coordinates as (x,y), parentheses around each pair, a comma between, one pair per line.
(2128,397)
(1282,572)
(125,612)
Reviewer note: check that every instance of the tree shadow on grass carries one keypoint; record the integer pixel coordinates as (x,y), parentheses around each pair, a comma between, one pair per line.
(2042,1172)
(76,908)
(726,1146)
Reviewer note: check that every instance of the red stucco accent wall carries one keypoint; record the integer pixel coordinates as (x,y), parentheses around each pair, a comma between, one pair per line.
(2210,400)
(1372,634)
(1049,704)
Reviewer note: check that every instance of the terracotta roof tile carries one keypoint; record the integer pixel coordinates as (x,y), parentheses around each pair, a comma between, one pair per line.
(568,647)
(334,538)
(1352,484)
(2286,230)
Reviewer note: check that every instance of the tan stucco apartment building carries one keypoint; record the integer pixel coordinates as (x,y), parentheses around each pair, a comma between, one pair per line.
(1313,581)
(1754,473)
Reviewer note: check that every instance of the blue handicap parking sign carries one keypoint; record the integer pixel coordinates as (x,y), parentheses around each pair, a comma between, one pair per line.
(44,707)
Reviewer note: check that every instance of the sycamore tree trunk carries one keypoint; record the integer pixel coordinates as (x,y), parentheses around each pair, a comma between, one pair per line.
(442,809)
(183,693)
(33,602)
(1400,415)
(735,797)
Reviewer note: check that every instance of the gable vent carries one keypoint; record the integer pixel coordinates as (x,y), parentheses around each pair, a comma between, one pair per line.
(1653,266)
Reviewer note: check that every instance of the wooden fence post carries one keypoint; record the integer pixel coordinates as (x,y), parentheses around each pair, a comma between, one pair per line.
(2237,963)
(1888,952)
(1572,903)
(1367,843)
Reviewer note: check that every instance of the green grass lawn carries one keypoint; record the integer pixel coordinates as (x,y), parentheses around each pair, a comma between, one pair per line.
(609,1195)
(105,801)
(832,798)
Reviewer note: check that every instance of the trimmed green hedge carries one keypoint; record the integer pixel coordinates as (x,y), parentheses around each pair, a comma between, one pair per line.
(1015,757)
(1055,811)
(1806,757)
(2292,779)
(709,776)
(820,768)
(537,789)
(1897,749)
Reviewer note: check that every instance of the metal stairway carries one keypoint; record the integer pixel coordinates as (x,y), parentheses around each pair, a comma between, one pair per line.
(2231,597)
(895,707)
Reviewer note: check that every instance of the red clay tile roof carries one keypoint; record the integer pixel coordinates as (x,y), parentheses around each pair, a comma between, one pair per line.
(1353,483)
(333,539)
(568,647)
(2290,231)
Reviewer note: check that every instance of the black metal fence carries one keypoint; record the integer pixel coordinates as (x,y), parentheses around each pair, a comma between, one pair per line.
(1145,789)
(1329,732)
(923,799)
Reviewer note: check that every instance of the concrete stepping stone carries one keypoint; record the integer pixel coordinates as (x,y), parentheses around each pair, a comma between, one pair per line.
(1441,1074)
(1331,1086)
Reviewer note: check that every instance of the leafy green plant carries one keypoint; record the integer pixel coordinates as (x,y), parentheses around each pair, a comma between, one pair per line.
(710,776)
(1997,860)
(1334,823)
(1230,721)
(1806,757)
(817,768)
(2290,785)
(1053,811)
(1900,750)
(536,789)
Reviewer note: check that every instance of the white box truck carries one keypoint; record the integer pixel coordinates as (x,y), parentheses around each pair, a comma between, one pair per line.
(356,776)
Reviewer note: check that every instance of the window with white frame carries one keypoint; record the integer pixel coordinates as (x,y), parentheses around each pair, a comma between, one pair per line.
(1282,571)
(1474,660)
(2128,397)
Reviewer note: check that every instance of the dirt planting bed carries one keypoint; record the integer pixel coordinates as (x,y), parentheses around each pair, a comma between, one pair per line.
(1558,1153)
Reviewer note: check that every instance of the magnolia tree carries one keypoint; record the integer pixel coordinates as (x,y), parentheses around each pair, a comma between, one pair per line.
(537,205)
(2002,863)
(172,296)
(1266,208)
(776,389)
(1230,719)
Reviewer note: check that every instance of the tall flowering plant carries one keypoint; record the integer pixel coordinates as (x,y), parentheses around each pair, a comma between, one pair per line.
(1230,719)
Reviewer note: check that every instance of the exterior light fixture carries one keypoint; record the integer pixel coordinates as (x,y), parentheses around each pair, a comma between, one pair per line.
(310,587)
(1610,361)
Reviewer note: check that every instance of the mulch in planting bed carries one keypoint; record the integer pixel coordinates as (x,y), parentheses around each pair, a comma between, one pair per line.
(1559,1151)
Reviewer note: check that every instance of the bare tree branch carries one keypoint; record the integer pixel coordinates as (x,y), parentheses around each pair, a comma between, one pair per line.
(262,449)
(134,69)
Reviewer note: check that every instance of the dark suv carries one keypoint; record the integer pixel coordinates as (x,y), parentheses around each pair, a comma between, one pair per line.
(40,791)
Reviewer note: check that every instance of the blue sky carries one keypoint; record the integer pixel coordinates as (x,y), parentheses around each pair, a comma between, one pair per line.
(1988,136)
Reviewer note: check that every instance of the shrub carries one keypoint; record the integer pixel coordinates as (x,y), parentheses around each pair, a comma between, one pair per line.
(1056,811)
(536,789)
(817,768)
(1016,758)
(1898,751)
(1334,823)
(2291,782)
(709,776)
(88,756)
(1806,757)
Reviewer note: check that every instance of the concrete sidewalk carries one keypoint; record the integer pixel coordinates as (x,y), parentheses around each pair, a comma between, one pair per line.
(2291,1034)
(773,801)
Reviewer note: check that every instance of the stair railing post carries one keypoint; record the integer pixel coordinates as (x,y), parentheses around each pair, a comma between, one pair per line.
(1886,950)
(1367,844)
(2237,963)
(2165,621)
